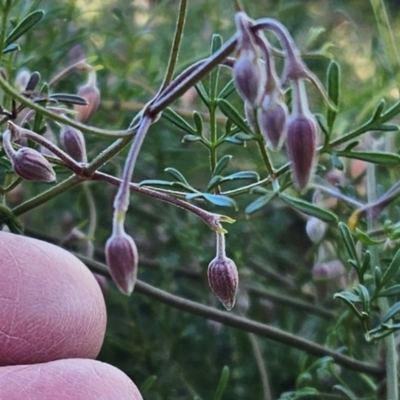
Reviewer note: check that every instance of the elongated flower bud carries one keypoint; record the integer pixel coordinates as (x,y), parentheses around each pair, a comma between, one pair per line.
(30,164)
(302,145)
(91,94)
(122,260)
(272,120)
(248,74)
(223,279)
(328,277)
(73,142)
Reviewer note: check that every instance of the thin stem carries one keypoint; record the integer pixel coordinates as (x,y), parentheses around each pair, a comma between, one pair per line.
(220,248)
(44,197)
(173,57)
(241,323)
(386,34)
(121,202)
(211,219)
(390,345)
(8,89)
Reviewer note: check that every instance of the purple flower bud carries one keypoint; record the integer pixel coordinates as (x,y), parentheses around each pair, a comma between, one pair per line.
(302,145)
(122,259)
(91,94)
(223,279)
(328,277)
(315,229)
(248,73)
(272,120)
(30,164)
(73,142)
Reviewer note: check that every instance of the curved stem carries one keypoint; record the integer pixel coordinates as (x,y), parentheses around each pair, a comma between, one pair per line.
(8,89)
(173,57)
(241,323)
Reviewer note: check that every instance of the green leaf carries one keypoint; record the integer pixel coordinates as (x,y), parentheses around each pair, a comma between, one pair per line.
(176,174)
(177,120)
(216,199)
(24,26)
(216,43)
(363,293)
(309,208)
(392,270)
(348,241)
(68,99)
(378,277)
(198,122)
(242,175)
(201,91)
(391,112)
(259,203)
(375,157)
(336,162)
(376,116)
(390,291)
(229,111)
(147,384)
(222,164)
(322,123)
(365,239)
(350,299)
(391,312)
(214,182)
(228,89)
(222,383)
(11,47)
(159,182)
(191,138)
(347,392)
(366,262)
(333,83)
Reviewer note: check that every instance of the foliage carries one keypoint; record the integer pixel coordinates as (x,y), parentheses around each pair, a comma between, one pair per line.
(204,156)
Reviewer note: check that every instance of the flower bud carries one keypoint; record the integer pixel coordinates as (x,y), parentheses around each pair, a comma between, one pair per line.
(91,94)
(223,279)
(30,164)
(248,74)
(301,145)
(73,142)
(272,120)
(122,259)
(315,229)
(328,277)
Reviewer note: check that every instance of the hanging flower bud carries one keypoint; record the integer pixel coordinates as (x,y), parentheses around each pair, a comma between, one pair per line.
(222,274)
(272,120)
(223,279)
(315,229)
(30,164)
(248,74)
(91,94)
(122,260)
(301,137)
(328,277)
(73,142)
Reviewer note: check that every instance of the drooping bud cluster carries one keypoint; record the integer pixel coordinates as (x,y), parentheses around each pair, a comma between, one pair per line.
(122,260)
(73,142)
(223,275)
(266,112)
(28,163)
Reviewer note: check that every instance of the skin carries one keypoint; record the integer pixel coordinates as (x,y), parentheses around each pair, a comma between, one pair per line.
(53,321)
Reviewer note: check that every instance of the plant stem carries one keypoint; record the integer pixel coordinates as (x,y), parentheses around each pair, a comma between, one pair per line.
(386,35)
(389,341)
(173,57)
(241,323)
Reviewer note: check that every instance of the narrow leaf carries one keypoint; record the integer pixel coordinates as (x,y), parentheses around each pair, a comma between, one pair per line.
(24,26)
(178,121)
(242,175)
(392,269)
(309,209)
(348,241)
(227,90)
(176,174)
(391,291)
(222,383)
(201,91)
(11,47)
(333,81)
(259,203)
(347,392)
(222,164)
(391,312)
(375,157)
(214,182)
(365,239)
(229,111)
(68,99)
(218,200)
(216,43)
(198,122)
(378,110)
